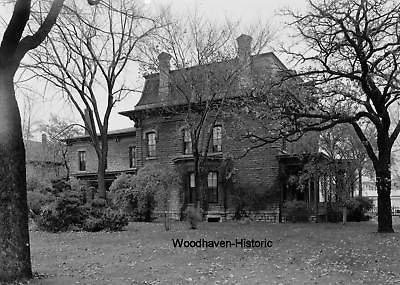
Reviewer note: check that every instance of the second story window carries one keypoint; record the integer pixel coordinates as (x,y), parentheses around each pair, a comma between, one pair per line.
(151,144)
(187,142)
(82,160)
(132,157)
(217,139)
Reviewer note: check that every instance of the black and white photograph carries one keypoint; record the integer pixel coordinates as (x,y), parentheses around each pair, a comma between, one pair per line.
(199,142)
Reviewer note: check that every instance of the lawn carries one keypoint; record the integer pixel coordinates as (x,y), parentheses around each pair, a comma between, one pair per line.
(144,254)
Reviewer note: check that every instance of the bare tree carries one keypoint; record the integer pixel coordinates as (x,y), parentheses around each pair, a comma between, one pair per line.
(341,142)
(58,130)
(27,116)
(347,73)
(86,57)
(206,75)
(15,259)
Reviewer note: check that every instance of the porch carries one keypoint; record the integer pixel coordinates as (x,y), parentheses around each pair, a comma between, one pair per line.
(318,188)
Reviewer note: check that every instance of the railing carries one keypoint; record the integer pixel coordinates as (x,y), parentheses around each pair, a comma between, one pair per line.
(395,210)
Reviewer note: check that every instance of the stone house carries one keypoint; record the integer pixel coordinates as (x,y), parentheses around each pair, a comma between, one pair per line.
(160,135)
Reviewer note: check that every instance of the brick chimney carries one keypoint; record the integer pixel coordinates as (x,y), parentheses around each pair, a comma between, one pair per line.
(164,68)
(244,60)
(87,121)
(44,140)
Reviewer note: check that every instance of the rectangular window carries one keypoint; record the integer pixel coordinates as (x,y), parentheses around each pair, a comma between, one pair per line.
(82,160)
(151,144)
(212,182)
(132,157)
(192,187)
(187,142)
(217,139)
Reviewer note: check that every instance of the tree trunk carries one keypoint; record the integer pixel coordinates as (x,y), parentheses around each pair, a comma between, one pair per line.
(197,195)
(167,221)
(203,187)
(101,179)
(344,217)
(360,183)
(383,186)
(15,259)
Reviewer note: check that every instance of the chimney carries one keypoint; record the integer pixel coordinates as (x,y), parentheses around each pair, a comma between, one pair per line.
(87,122)
(44,140)
(244,60)
(164,67)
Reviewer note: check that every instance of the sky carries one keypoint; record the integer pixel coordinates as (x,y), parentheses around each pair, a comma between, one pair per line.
(247,11)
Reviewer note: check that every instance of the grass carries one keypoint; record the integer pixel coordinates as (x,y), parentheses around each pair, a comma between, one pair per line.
(144,254)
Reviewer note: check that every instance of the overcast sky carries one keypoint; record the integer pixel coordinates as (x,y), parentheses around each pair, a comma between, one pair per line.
(247,11)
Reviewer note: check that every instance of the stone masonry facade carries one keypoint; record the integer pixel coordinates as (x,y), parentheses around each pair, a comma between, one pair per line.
(162,132)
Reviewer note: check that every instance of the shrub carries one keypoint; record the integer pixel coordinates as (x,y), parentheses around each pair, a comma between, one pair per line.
(334,214)
(77,184)
(193,217)
(49,219)
(33,183)
(296,211)
(60,185)
(252,198)
(98,203)
(66,210)
(60,214)
(123,181)
(138,195)
(110,220)
(36,201)
(114,220)
(93,224)
(358,206)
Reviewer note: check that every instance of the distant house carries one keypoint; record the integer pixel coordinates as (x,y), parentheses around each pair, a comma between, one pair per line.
(161,136)
(369,190)
(43,161)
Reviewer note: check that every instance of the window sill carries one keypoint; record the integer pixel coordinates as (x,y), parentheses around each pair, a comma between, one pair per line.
(151,158)
(215,152)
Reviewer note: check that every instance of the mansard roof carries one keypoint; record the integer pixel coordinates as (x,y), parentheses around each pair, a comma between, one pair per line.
(203,78)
